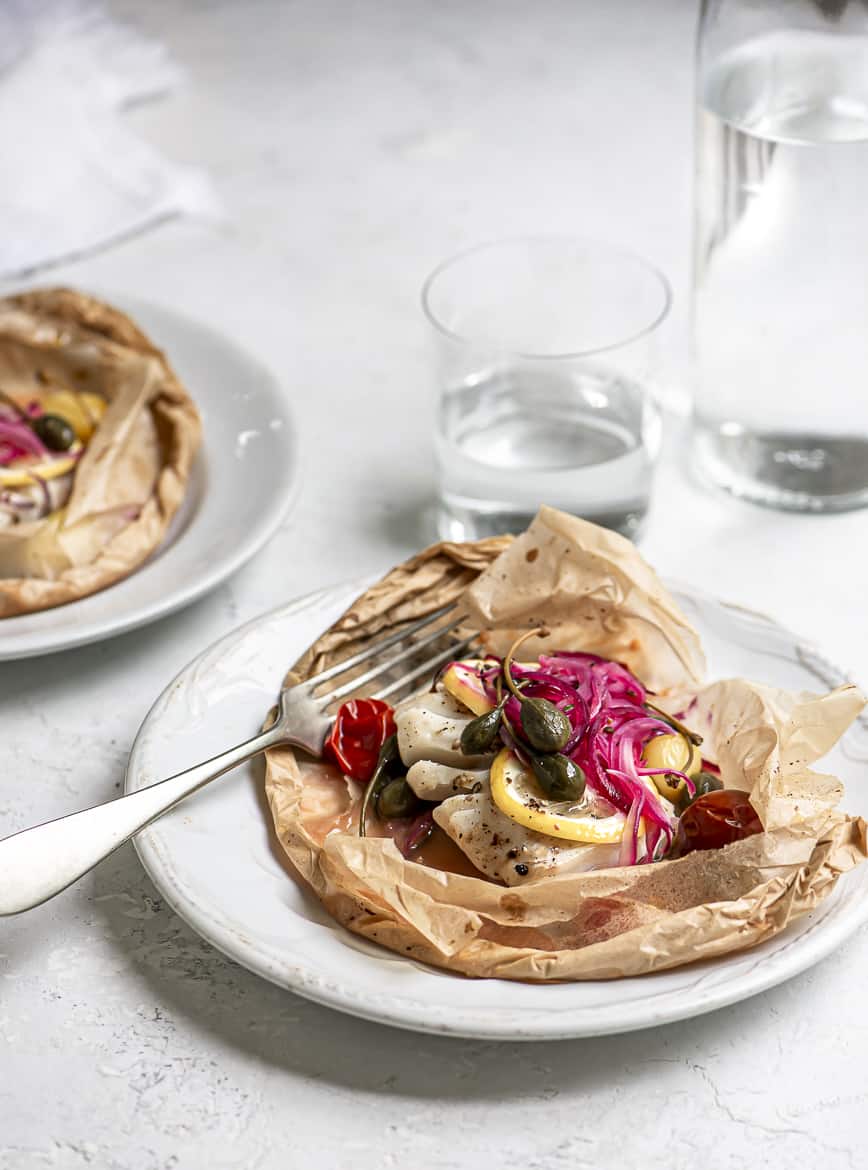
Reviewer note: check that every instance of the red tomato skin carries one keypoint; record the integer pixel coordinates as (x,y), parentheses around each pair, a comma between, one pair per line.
(715,820)
(360,729)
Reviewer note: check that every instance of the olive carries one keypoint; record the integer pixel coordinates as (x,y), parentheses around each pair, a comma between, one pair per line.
(397,799)
(54,431)
(545,725)
(559,777)
(480,734)
(705,782)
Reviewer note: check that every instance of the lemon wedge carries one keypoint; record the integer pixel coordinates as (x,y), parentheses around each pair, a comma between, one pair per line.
(671,751)
(516,793)
(22,474)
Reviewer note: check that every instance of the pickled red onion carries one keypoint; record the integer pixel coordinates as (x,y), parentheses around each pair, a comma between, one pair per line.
(18,439)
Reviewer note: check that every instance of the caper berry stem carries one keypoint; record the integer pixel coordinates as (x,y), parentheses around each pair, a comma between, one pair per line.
(541,632)
(388,755)
(507,725)
(544,724)
(694,737)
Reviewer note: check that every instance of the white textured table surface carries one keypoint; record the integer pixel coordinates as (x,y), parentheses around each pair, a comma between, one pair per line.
(355,145)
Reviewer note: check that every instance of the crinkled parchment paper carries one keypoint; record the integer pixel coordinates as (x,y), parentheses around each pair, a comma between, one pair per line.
(596,592)
(132,477)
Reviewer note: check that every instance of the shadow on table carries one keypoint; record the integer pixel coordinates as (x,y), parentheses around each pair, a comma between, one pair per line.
(198,989)
(407,522)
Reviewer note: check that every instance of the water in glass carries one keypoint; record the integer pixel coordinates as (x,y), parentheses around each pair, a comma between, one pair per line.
(582,440)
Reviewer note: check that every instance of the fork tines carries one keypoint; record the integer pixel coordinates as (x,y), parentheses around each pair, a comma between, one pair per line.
(381,669)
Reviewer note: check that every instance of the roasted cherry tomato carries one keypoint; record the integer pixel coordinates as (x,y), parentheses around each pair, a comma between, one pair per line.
(715,820)
(360,729)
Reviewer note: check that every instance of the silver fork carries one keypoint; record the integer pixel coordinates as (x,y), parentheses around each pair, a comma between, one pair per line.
(38,863)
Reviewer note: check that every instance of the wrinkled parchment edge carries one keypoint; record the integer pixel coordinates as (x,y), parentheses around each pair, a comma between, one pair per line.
(178,428)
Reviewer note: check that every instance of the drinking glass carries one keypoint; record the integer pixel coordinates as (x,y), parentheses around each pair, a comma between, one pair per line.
(545,349)
(780,287)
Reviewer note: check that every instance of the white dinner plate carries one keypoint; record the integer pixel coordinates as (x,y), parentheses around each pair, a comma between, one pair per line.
(243,481)
(215,861)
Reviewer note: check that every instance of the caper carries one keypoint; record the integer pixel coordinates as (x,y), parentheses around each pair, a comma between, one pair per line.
(705,782)
(547,728)
(397,799)
(54,431)
(559,777)
(480,734)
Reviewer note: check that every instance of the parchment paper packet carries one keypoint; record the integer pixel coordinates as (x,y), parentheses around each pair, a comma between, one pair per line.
(595,592)
(131,478)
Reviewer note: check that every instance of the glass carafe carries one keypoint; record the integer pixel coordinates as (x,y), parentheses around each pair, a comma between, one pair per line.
(780,279)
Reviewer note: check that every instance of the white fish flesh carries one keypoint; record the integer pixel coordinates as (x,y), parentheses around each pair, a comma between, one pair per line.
(502,849)
(432,781)
(429,728)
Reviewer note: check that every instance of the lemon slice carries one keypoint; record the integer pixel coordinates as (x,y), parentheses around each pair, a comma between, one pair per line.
(22,474)
(516,793)
(463,683)
(671,751)
(82,409)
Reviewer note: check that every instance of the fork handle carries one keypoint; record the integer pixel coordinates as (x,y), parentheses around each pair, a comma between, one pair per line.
(38,863)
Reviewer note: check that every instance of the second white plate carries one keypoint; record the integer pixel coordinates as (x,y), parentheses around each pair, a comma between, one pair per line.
(244,480)
(215,860)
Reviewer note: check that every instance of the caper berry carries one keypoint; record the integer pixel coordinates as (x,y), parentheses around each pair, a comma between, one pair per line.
(547,728)
(397,799)
(54,431)
(559,777)
(480,734)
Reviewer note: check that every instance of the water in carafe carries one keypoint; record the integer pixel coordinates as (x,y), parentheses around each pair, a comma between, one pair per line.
(780,309)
